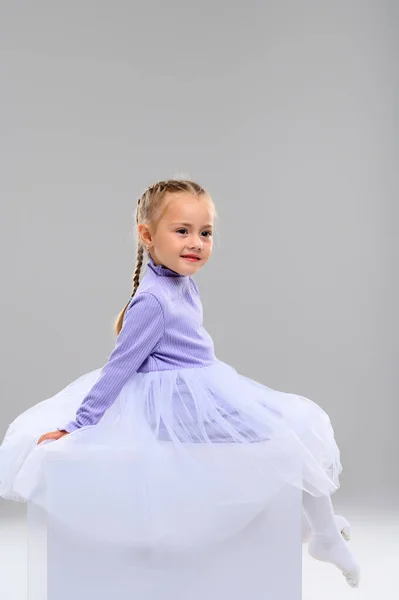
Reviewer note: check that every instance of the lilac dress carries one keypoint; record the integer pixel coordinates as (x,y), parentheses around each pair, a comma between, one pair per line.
(204,438)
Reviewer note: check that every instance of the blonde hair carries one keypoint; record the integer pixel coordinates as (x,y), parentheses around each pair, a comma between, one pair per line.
(149,211)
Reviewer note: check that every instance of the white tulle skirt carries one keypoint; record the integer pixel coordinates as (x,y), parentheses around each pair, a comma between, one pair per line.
(194,454)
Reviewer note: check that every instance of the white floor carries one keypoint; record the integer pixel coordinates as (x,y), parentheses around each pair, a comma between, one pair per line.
(375,542)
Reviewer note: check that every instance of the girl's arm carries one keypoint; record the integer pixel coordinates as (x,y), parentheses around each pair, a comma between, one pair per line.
(142,329)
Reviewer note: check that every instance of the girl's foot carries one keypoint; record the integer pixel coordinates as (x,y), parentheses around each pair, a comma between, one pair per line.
(334,550)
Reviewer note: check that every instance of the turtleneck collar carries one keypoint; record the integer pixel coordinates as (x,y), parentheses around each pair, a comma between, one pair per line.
(162,270)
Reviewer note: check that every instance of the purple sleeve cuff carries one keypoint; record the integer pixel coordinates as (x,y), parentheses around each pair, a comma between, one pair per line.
(72,426)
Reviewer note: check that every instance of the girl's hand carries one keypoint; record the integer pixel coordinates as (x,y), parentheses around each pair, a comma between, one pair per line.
(53,435)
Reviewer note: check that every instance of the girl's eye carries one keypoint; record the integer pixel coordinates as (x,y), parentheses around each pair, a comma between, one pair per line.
(184,230)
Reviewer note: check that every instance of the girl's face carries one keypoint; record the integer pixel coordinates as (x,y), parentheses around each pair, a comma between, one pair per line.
(184,228)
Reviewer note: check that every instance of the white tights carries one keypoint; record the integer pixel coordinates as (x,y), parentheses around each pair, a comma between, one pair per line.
(320,513)
(327,543)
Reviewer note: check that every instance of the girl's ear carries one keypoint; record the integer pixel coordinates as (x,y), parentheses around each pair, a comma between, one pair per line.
(145,234)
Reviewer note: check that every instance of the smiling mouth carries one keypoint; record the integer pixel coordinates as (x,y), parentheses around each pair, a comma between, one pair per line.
(191,257)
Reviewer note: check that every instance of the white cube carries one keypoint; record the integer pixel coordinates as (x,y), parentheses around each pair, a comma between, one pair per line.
(262,562)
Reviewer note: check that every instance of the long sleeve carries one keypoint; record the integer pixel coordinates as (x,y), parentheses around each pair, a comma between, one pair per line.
(142,329)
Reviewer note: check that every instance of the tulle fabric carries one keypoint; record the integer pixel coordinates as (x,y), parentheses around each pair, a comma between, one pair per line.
(193,455)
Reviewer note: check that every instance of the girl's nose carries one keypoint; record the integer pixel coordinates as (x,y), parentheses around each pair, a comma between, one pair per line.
(196,243)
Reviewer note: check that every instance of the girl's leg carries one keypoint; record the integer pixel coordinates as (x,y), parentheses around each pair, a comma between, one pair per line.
(342,524)
(327,543)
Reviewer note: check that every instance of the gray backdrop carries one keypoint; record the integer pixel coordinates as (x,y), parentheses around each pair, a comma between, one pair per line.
(285,112)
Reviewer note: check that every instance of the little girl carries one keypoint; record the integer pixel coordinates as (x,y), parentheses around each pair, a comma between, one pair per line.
(212,447)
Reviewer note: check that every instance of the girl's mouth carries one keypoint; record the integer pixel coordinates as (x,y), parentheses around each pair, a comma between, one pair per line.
(191,257)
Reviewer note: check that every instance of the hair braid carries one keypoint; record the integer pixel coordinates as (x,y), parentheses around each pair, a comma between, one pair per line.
(139,264)
(136,281)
